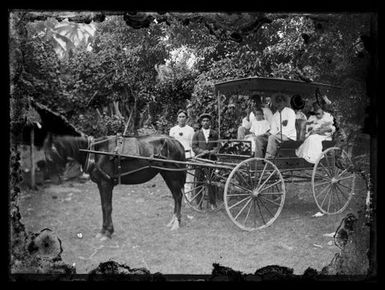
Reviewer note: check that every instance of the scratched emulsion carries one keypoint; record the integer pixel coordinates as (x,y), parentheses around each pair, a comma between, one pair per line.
(41,252)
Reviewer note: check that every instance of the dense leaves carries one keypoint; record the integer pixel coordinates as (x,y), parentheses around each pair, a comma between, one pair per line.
(131,76)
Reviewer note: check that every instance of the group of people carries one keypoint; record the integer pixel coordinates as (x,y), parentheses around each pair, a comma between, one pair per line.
(265,130)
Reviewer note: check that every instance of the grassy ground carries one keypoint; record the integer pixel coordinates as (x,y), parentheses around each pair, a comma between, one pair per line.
(141,239)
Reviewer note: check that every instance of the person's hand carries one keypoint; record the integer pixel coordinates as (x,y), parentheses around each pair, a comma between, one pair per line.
(284,122)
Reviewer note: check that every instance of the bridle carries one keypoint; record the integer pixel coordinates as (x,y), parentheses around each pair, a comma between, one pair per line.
(90,145)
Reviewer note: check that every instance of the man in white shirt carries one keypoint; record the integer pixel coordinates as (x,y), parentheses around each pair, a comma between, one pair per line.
(183,133)
(282,129)
(255,103)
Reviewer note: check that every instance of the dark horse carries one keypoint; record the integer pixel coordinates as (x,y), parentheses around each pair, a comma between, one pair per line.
(103,169)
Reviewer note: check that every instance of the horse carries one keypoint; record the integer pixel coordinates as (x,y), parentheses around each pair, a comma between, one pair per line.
(103,169)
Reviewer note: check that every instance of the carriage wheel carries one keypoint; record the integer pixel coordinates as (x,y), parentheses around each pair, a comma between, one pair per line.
(254,194)
(333,181)
(197,195)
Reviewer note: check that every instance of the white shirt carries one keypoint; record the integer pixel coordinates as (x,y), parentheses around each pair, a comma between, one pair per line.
(288,130)
(206,133)
(267,114)
(183,134)
(259,127)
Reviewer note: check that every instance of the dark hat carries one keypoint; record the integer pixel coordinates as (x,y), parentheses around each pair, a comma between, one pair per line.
(297,103)
(204,115)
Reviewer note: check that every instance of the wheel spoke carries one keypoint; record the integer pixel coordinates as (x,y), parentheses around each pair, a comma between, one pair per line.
(271,193)
(260,212)
(346,177)
(330,196)
(342,172)
(245,182)
(325,197)
(327,170)
(240,194)
(338,198)
(196,195)
(343,185)
(194,188)
(235,204)
(255,214)
(266,207)
(322,176)
(243,208)
(343,193)
(248,212)
(271,201)
(266,180)
(260,177)
(201,201)
(270,185)
(326,187)
(241,187)
(322,183)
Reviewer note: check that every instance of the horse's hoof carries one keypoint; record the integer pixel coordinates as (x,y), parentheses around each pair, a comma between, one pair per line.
(175,226)
(104,238)
(99,235)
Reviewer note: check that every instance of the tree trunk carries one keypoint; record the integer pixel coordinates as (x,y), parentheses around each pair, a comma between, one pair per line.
(116,108)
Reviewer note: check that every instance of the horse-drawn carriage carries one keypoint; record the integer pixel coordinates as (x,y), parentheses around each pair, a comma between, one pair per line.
(251,189)
(254,188)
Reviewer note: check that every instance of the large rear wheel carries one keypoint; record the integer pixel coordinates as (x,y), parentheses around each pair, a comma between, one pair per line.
(333,181)
(254,194)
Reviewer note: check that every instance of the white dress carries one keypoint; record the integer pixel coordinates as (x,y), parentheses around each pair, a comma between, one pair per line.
(311,148)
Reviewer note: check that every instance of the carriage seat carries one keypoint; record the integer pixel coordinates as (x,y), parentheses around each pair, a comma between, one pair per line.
(287,148)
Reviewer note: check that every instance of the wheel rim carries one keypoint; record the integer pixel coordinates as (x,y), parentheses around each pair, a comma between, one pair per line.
(254,194)
(199,191)
(333,181)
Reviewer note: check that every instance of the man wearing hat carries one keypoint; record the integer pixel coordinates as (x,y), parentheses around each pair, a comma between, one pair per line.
(282,129)
(297,104)
(204,144)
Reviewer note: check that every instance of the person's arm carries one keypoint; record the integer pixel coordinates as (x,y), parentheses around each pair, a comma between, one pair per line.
(245,123)
(195,144)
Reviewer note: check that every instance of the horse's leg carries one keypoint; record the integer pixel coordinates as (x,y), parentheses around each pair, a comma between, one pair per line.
(175,182)
(105,190)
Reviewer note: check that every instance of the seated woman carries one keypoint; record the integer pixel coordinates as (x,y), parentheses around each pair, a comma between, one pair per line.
(259,126)
(319,127)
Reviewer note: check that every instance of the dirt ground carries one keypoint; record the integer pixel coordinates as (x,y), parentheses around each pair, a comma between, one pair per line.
(141,238)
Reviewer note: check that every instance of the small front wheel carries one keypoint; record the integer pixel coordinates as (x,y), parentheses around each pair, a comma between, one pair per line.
(204,189)
(254,194)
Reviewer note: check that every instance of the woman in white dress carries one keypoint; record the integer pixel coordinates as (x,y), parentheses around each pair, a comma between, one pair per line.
(319,127)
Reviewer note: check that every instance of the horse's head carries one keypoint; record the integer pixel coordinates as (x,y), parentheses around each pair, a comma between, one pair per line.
(54,153)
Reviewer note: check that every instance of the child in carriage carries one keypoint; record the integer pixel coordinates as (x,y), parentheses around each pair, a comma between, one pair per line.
(259,126)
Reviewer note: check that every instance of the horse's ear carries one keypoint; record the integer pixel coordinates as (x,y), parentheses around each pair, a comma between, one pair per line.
(48,141)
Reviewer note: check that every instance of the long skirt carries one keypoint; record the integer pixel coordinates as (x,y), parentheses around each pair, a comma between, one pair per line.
(311,148)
